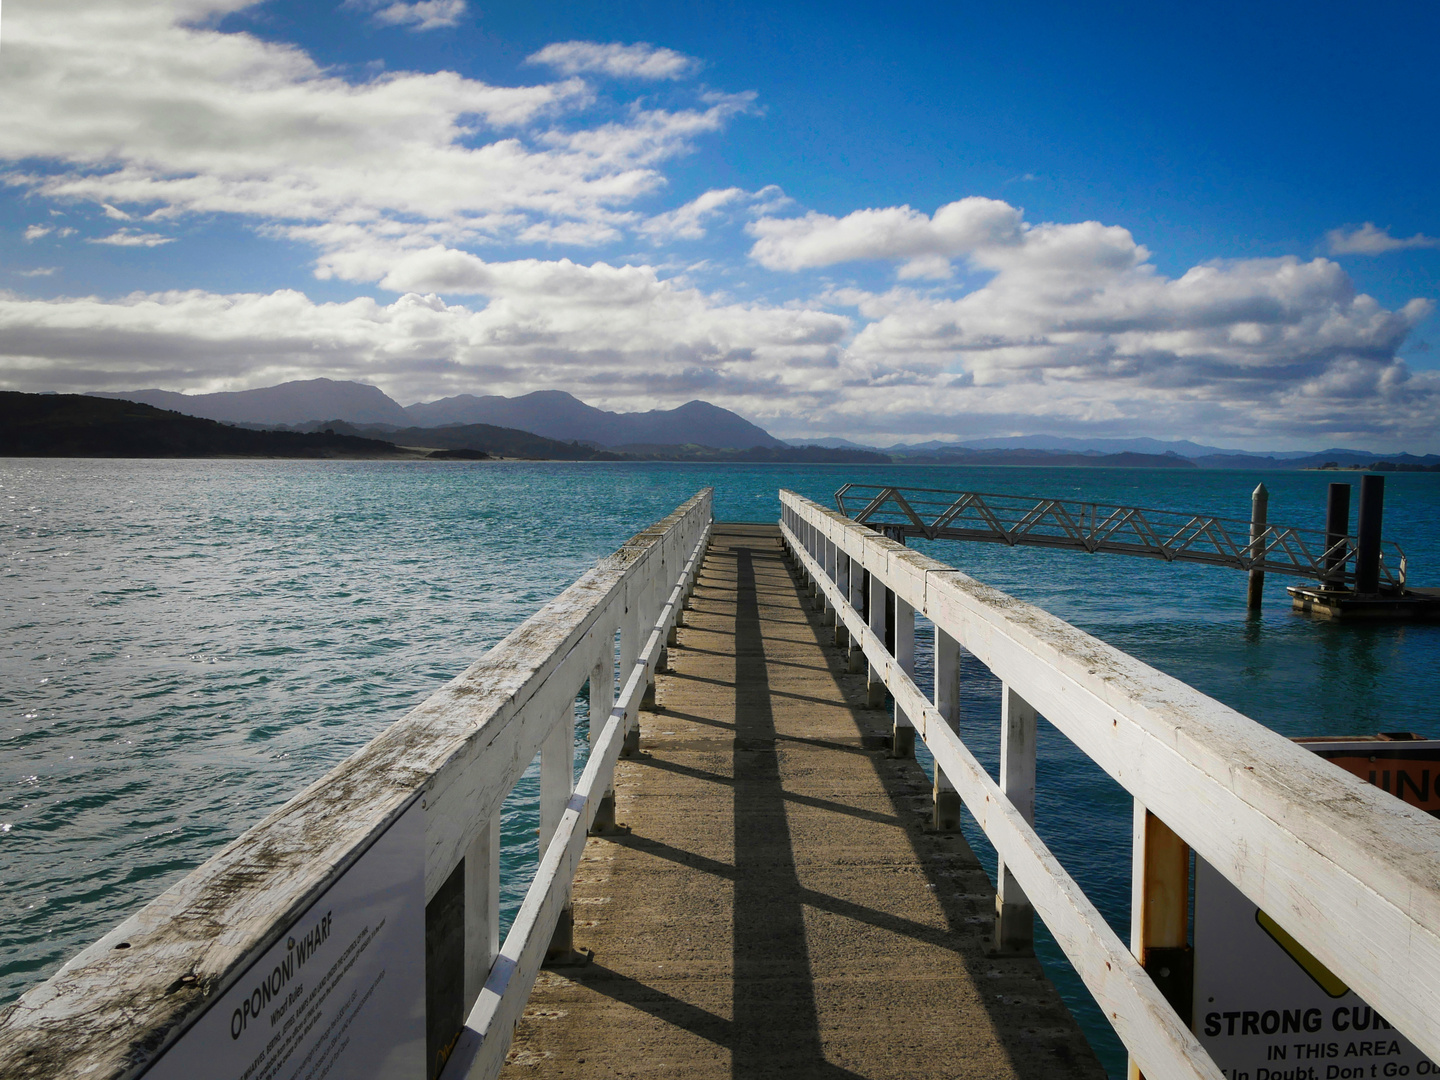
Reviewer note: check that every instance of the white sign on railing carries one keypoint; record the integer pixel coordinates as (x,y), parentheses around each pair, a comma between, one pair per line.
(1264,1007)
(341,994)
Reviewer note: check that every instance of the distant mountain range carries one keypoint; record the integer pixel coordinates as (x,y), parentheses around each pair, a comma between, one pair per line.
(558,415)
(696,430)
(1140,452)
(553,414)
(1068,444)
(80,425)
(291,404)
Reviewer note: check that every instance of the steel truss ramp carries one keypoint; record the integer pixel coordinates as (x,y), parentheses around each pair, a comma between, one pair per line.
(1174,536)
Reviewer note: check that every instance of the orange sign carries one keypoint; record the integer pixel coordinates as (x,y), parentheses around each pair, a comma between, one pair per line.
(1407,768)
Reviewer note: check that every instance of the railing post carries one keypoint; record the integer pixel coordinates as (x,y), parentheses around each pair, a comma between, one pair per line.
(828,557)
(902,737)
(629,653)
(649,611)
(482,907)
(1160,911)
(817,551)
(946,811)
(879,601)
(807,537)
(602,701)
(557,782)
(1014,917)
(842,579)
(688,596)
(855,588)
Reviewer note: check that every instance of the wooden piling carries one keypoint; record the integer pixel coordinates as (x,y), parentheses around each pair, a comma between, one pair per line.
(1259,511)
(1367,535)
(1337,530)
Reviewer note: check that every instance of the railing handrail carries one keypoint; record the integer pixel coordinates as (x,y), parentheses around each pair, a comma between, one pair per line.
(1209,539)
(1350,872)
(110,1014)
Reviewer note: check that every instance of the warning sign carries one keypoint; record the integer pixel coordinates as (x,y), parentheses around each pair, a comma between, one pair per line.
(341,994)
(1265,1008)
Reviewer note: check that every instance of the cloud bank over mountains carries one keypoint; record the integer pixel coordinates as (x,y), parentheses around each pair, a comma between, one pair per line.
(503,239)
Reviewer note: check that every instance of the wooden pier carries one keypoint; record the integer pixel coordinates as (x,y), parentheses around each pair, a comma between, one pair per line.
(745,862)
(777,904)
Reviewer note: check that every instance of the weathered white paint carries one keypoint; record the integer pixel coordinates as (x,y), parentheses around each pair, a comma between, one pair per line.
(879,598)
(109,1012)
(1013,929)
(855,593)
(482,905)
(842,578)
(946,666)
(1350,872)
(904,652)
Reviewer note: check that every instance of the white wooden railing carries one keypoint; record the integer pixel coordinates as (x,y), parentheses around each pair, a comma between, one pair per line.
(1350,872)
(117,1007)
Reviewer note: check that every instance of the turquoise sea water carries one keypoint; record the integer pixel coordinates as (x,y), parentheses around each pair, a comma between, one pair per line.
(183,645)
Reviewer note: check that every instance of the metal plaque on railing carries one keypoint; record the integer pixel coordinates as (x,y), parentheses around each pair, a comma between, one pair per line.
(342,993)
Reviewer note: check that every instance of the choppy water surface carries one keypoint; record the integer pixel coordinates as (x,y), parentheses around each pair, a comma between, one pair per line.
(183,645)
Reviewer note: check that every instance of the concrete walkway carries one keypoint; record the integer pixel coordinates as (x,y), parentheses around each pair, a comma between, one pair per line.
(776,908)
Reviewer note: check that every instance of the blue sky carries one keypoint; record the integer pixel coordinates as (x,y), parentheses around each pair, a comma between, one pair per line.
(905,222)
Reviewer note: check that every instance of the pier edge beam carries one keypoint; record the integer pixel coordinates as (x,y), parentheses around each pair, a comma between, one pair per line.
(902,736)
(1014,917)
(946,806)
(1160,912)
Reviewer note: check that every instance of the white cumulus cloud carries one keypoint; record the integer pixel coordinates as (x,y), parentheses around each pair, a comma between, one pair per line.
(894,232)
(638,61)
(160,115)
(690,221)
(132,238)
(423,14)
(507,219)
(1368,240)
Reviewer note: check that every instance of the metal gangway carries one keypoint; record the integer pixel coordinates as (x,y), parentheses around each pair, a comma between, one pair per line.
(1171,535)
